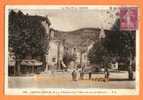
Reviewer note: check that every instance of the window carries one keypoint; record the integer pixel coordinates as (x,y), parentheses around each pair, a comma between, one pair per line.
(53,59)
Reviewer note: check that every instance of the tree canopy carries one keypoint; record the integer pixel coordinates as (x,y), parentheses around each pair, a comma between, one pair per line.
(117,44)
(27,36)
(120,42)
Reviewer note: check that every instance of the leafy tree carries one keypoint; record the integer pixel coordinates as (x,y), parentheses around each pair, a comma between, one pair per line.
(27,36)
(99,55)
(117,44)
(68,57)
(121,44)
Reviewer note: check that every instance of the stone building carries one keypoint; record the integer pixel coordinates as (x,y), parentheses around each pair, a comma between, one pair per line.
(74,44)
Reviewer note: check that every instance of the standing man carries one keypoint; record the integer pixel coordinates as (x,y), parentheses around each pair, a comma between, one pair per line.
(107,74)
(74,75)
(116,66)
(90,75)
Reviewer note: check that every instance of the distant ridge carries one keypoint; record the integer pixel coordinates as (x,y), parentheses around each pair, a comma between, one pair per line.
(77,38)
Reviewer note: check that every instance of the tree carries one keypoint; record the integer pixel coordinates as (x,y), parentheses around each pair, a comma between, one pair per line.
(27,36)
(117,44)
(99,55)
(68,57)
(121,44)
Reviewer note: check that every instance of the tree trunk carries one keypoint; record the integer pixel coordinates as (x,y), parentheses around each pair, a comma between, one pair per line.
(58,56)
(43,62)
(46,63)
(81,59)
(130,71)
(17,71)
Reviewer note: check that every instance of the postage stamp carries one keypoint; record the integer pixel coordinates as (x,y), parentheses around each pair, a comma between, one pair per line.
(128,18)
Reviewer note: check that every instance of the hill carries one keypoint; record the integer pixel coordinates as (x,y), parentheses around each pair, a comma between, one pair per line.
(77,38)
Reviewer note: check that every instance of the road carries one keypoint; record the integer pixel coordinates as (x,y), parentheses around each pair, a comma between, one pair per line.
(64,80)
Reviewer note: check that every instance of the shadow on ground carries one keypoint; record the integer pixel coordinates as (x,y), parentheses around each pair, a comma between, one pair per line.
(120,80)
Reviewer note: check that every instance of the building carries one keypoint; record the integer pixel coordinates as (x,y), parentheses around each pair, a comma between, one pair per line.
(74,44)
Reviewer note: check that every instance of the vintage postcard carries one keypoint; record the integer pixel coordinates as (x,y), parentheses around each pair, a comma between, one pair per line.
(72,50)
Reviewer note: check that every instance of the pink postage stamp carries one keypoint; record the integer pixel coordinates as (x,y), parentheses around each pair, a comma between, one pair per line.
(128,18)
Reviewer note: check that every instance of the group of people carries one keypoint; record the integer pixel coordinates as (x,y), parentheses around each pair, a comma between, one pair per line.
(76,74)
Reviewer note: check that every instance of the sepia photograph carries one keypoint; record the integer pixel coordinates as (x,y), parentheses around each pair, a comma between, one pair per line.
(71,50)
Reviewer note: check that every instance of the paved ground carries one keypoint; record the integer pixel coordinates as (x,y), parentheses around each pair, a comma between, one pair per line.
(64,80)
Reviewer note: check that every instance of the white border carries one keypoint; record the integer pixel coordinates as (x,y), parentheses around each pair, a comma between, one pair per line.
(62,91)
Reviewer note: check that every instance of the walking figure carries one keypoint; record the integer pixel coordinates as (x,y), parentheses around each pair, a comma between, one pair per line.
(82,73)
(74,75)
(107,74)
(90,74)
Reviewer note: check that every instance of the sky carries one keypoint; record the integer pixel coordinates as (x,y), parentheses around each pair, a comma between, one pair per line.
(71,19)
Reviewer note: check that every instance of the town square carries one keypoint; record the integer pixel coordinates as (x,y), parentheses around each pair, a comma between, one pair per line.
(72,48)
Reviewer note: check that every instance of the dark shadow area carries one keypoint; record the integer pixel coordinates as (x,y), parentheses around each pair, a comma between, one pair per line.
(121,80)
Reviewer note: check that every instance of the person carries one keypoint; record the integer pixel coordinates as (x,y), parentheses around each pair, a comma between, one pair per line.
(130,72)
(90,74)
(74,75)
(82,73)
(116,66)
(107,74)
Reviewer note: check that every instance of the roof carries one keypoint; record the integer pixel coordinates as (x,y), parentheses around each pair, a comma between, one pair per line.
(32,62)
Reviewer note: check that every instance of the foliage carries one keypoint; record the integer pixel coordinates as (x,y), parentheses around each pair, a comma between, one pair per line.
(27,36)
(68,57)
(120,43)
(98,54)
(117,44)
